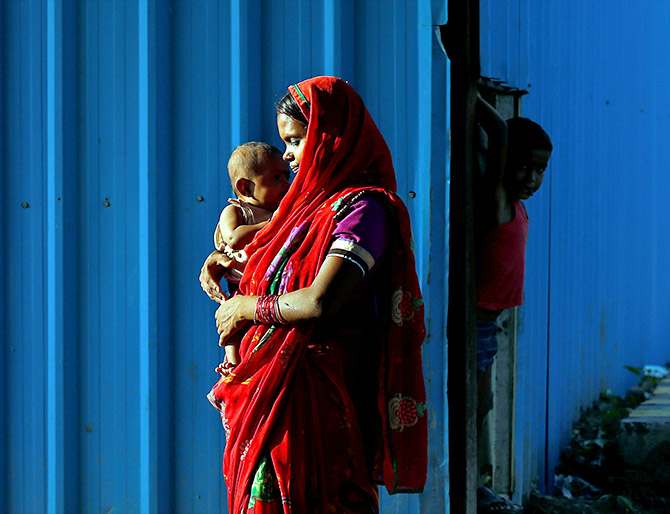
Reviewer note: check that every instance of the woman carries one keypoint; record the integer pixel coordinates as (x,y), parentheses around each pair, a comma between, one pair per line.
(328,399)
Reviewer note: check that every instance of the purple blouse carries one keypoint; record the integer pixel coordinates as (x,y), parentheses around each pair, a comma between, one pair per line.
(360,237)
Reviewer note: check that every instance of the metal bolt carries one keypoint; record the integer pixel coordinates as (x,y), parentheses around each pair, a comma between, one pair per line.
(25,205)
(200,198)
(412,194)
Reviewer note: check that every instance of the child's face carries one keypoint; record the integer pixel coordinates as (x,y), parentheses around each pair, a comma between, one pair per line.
(527,178)
(271,183)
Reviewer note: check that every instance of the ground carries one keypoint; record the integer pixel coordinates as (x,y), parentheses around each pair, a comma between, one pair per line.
(591,470)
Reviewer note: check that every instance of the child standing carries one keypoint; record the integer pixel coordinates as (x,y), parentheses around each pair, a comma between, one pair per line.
(259,178)
(517,156)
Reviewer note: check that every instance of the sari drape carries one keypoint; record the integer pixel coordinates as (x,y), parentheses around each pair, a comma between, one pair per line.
(279,402)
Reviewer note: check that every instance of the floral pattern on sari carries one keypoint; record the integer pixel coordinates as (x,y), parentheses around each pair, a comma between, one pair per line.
(403,305)
(404,412)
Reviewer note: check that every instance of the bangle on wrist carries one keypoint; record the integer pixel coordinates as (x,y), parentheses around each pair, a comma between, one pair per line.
(267,311)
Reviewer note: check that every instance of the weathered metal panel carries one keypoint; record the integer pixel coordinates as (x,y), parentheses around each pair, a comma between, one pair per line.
(118,118)
(596,290)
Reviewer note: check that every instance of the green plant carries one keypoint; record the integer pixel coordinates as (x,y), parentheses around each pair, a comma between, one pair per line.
(620,503)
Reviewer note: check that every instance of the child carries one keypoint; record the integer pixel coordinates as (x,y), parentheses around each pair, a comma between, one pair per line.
(259,178)
(516,159)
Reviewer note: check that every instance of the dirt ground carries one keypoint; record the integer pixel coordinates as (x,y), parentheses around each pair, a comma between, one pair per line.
(606,504)
(591,471)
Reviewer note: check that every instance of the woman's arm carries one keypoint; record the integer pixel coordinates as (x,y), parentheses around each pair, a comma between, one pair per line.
(336,280)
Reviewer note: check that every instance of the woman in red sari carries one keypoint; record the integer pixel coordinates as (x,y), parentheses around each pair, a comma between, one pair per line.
(328,399)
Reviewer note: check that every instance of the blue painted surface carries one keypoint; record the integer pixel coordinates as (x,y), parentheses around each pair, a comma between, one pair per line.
(118,118)
(596,291)
(55,265)
(24,337)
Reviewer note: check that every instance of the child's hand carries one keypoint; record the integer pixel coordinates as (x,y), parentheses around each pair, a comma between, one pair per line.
(211,274)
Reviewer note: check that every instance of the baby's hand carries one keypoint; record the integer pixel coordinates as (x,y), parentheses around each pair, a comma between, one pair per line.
(211,274)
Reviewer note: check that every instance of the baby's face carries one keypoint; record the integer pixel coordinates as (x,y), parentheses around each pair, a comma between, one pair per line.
(527,178)
(271,183)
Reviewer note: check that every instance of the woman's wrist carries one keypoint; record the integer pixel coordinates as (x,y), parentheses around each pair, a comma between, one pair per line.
(248,307)
(267,311)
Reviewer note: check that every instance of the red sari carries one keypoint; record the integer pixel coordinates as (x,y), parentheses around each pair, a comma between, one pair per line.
(296,441)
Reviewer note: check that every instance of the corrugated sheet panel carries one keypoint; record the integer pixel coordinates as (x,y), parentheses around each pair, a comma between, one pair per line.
(118,118)
(596,290)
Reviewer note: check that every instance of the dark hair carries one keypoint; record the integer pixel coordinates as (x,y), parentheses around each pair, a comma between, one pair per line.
(287,105)
(524,136)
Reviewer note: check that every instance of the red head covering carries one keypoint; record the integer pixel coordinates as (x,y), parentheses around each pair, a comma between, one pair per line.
(343,148)
(344,155)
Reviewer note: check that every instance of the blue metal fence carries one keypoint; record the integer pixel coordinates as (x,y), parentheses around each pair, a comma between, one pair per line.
(596,290)
(117,121)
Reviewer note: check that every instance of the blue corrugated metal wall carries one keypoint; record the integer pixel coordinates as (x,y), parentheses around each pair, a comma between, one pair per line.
(597,290)
(117,121)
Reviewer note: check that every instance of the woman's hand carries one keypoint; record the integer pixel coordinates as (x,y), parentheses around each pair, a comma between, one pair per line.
(233,314)
(211,274)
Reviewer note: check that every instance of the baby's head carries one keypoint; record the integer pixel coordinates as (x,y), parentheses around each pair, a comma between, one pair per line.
(528,152)
(258,174)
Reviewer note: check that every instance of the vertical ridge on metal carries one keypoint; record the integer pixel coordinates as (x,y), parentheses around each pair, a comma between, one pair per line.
(148,301)
(54,250)
(332,10)
(338,38)
(245,54)
(462,43)
(3,265)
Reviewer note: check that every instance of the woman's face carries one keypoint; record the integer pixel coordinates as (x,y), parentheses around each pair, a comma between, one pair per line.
(294,135)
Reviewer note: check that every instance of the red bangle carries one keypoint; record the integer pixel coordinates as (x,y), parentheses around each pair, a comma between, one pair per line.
(267,310)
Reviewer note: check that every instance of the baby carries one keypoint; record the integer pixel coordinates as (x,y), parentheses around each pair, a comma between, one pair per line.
(259,178)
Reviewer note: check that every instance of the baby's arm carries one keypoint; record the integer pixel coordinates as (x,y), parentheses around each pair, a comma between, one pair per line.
(496,159)
(235,233)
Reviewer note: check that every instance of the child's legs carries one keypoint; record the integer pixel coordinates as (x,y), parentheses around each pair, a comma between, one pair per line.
(484,432)
(487,347)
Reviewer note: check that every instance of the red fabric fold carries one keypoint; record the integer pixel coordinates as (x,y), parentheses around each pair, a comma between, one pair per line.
(273,403)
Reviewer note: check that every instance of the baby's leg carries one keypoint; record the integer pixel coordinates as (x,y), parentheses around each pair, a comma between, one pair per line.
(232,355)
(232,360)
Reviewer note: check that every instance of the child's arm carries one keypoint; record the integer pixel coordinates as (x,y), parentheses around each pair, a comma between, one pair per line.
(211,274)
(496,159)
(235,233)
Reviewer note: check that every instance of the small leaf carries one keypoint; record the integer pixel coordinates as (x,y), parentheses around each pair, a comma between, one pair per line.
(637,371)
(627,503)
